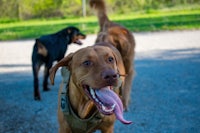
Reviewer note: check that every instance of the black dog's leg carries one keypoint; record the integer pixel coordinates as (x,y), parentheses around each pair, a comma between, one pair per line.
(46,76)
(36,68)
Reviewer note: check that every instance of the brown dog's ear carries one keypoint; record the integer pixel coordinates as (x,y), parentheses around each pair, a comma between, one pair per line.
(119,62)
(64,62)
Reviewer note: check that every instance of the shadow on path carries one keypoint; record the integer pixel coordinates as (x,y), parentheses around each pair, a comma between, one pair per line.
(165,96)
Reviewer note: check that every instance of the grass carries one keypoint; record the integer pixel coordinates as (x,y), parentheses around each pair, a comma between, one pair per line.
(153,21)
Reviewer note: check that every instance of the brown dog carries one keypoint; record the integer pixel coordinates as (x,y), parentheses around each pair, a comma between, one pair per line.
(95,79)
(120,38)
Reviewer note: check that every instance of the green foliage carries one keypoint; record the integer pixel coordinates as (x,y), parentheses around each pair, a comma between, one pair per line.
(28,9)
(8,9)
(39,9)
(71,7)
(21,19)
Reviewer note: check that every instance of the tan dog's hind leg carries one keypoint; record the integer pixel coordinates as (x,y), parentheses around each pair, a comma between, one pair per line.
(127,89)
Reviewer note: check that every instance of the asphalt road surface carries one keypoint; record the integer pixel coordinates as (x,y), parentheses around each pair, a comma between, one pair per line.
(165,92)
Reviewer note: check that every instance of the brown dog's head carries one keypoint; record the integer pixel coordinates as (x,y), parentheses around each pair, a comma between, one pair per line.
(95,66)
(96,70)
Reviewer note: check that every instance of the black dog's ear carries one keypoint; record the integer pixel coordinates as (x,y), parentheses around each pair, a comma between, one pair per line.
(64,62)
(37,40)
(69,31)
(39,44)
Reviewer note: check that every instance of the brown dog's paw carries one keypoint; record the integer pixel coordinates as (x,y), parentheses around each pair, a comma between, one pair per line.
(126,109)
(125,104)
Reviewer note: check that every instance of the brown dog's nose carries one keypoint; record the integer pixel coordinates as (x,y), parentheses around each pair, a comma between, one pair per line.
(110,76)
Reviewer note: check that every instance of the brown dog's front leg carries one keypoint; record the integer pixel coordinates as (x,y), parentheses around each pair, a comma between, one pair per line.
(108,129)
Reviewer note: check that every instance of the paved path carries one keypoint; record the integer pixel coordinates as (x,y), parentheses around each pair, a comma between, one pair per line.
(165,94)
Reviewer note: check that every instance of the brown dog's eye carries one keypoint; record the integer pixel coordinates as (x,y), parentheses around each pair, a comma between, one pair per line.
(111,59)
(87,63)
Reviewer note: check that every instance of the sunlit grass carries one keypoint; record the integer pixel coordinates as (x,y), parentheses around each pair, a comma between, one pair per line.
(136,22)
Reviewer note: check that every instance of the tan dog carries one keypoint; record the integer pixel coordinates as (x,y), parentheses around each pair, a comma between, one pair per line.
(120,38)
(96,77)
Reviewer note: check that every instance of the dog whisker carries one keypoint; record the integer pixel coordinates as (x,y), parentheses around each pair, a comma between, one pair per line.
(123,75)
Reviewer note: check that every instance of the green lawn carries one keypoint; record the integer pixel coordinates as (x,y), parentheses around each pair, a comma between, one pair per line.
(156,21)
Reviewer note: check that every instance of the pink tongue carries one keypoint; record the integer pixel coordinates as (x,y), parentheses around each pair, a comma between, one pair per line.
(109,97)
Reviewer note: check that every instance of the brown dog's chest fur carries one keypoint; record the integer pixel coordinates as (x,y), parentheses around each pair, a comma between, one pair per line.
(78,125)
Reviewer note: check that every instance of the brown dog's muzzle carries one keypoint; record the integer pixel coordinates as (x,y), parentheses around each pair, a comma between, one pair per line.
(110,77)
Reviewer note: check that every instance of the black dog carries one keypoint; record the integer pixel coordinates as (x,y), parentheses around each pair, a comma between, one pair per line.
(51,48)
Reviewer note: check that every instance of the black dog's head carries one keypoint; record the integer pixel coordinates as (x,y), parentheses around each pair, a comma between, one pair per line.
(75,35)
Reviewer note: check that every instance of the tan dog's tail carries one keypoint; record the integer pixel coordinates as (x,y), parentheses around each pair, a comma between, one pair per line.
(100,7)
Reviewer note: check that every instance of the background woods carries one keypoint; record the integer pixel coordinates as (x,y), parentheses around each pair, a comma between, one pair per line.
(28,9)
(27,19)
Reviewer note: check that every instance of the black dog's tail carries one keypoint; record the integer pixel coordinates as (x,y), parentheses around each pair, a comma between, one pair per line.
(100,7)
